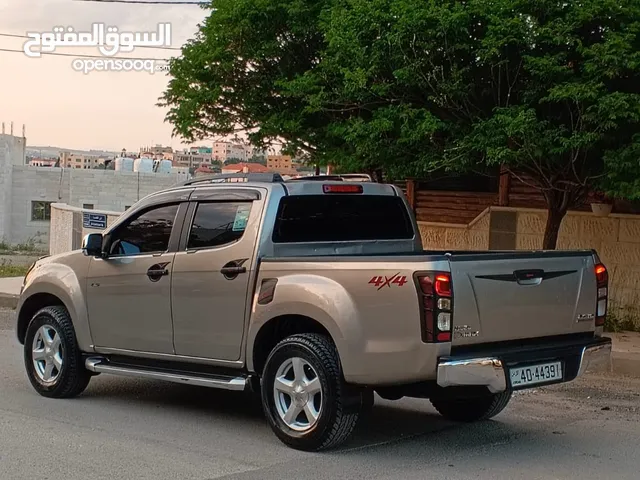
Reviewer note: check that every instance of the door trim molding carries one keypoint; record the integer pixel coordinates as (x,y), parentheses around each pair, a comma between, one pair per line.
(168,356)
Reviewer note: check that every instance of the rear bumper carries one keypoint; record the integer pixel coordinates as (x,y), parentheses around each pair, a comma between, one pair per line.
(492,371)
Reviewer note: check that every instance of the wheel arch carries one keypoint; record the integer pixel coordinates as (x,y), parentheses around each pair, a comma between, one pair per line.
(55,284)
(276,330)
(30,307)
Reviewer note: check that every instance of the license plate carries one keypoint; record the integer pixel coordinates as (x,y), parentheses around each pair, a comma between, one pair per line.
(534,374)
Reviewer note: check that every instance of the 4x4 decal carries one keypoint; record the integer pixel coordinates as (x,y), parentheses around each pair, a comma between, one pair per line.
(381,282)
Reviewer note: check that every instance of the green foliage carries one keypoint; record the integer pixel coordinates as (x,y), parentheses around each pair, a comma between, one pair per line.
(10,270)
(547,88)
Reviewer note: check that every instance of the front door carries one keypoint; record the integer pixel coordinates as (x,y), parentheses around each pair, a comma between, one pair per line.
(129,293)
(210,279)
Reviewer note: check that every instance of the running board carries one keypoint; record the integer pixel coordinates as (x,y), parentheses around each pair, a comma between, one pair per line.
(102,365)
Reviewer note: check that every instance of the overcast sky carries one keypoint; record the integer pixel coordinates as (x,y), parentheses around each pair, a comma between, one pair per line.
(103,110)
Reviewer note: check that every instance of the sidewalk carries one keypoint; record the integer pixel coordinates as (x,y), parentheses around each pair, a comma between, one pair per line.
(626,346)
(626,353)
(9,291)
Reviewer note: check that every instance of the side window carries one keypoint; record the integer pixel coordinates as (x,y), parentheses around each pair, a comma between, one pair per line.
(216,224)
(147,233)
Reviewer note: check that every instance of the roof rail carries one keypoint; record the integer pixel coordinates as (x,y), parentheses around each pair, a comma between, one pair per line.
(236,178)
(317,178)
(346,177)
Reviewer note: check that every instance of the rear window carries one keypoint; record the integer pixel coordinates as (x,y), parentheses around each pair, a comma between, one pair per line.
(341,218)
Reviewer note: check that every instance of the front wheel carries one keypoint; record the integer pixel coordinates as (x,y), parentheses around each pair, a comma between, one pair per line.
(472,409)
(304,397)
(52,356)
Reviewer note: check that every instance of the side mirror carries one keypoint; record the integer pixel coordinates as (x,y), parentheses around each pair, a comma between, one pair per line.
(92,245)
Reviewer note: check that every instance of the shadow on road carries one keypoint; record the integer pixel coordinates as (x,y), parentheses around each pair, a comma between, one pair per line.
(388,423)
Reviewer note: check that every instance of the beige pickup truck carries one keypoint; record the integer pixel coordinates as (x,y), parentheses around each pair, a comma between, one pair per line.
(314,294)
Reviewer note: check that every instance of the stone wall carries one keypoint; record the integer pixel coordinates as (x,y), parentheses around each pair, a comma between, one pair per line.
(443,236)
(12,152)
(616,238)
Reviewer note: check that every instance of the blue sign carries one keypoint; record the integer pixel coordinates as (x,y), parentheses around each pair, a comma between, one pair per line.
(94,220)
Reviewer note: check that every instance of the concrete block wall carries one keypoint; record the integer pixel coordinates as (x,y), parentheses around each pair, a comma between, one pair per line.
(110,190)
(104,189)
(35,184)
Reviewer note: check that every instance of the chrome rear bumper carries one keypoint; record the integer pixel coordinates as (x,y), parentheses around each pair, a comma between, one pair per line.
(491,372)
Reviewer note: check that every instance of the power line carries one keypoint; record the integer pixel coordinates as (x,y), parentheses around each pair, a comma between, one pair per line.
(101,57)
(13,35)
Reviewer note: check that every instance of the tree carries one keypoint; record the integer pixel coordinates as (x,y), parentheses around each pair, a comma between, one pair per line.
(550,90)
(229,76)
(547,89)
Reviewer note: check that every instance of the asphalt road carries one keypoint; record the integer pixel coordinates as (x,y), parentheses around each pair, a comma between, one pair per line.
(127,429)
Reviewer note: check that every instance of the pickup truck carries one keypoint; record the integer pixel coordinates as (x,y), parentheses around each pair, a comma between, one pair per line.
(313,295)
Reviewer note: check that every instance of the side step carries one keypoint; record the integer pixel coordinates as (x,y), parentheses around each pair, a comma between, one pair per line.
(102,365)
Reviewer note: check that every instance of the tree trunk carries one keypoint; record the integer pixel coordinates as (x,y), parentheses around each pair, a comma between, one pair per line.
(554,220)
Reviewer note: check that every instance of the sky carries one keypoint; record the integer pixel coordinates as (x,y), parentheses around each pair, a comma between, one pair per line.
(62,107)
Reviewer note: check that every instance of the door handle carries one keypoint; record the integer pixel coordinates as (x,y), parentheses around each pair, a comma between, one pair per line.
(157,273)
(233,270)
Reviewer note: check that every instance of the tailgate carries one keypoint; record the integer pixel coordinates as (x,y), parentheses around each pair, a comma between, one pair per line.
(515,295)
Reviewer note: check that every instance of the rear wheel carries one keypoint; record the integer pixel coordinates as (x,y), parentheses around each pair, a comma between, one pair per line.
(304,396)
(472,409)
(52,357)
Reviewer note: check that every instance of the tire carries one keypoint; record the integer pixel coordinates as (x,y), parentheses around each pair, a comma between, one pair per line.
(59,371)
(472,409)
(310,363)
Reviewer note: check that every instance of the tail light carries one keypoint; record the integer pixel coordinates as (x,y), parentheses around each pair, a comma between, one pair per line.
(436,304)
(602,281)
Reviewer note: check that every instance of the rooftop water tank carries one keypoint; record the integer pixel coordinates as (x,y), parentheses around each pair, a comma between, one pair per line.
(143,165)
(165,166)
(124,164)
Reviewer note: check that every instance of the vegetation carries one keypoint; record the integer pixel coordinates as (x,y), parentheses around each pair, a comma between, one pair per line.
(27,247)
(10,270)
(625,319)
(547,89)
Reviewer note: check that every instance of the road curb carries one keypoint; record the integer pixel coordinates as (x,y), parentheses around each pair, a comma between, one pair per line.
(625,354)
(8,301)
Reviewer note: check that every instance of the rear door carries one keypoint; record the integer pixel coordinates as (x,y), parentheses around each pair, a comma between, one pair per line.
(507,296)
(212,271)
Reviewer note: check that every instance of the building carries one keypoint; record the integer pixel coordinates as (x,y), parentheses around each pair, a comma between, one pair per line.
(191,159)
(42,162)
(26,193)
(201,150)
(280,163)
(156,150)
(85,162)
(223,151)
(245,168)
